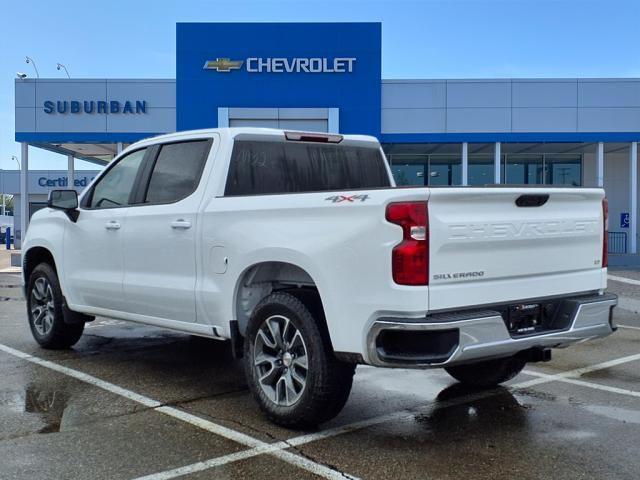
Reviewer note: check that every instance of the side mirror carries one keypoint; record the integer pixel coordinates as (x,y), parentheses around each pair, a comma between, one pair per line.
(65,200)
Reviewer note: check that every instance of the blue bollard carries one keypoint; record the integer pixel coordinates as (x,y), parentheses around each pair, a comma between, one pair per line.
(8,238)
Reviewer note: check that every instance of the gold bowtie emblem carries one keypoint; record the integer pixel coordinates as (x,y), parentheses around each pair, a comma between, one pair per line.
(223,64)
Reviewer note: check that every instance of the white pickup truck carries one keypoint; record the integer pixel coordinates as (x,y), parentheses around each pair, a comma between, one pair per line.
(298,248)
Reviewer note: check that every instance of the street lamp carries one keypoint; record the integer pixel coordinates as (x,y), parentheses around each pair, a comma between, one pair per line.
(30,60)
(61,66)
(17,161)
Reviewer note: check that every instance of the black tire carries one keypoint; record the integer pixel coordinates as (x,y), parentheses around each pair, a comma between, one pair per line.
(59,333)
(327,380)
(488,373)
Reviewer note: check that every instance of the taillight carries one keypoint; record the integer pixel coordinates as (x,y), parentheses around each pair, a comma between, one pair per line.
(605,233)
(410,258)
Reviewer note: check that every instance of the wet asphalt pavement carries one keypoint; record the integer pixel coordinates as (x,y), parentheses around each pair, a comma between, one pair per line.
(131,401)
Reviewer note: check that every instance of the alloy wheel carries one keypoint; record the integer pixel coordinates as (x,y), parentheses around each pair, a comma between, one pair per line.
(280,360)
(42,306)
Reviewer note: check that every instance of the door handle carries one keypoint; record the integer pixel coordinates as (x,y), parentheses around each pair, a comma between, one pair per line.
(181,224)
(112,225)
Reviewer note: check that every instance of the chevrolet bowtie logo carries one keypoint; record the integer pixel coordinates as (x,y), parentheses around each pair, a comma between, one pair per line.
(223,64)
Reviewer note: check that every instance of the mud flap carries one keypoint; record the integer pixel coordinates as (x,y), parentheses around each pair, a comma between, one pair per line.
(237,340)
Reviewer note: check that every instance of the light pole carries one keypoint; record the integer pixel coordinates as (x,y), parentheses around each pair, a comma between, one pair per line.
(4,208)
(62,66)
(13,157)
(30,60)
(19,168)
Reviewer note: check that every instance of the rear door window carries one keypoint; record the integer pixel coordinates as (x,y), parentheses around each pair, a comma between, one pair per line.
(177,171)
(263,167)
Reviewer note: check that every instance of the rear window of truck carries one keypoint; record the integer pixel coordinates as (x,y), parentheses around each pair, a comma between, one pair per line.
(263,167)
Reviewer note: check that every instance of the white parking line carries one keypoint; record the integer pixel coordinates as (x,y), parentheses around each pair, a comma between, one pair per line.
(395,416)
(627,303)
(629,327)
(206,465)
(230,434)
(630,281)
(582,383)
(279,449)
(580,371)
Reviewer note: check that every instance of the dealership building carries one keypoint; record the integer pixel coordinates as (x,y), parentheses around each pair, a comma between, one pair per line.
(327,77)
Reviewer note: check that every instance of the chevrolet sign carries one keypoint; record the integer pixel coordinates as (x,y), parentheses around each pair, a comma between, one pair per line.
(284,65)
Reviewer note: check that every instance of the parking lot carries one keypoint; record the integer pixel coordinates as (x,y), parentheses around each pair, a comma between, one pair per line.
(131,401)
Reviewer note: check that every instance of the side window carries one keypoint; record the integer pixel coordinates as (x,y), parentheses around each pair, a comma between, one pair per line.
(177,171)
(115,187)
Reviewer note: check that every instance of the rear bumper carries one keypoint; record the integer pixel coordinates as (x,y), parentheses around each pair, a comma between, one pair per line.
(468,336)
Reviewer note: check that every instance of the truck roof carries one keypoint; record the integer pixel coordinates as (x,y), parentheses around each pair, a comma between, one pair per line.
(232,132)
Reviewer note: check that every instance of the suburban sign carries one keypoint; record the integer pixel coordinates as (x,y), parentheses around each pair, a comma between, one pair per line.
(94,106)
(284,65)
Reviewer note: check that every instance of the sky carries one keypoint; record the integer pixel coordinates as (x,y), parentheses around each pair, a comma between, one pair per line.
(420,39)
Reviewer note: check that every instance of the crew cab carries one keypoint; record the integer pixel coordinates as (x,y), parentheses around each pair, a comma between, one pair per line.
(298,248)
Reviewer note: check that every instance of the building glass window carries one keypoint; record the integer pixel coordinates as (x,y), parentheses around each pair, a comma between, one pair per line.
(480,170)
(421,164)
(543,169)
(441,164)
(445,170)
(523,169)
(563,170)
(410,169)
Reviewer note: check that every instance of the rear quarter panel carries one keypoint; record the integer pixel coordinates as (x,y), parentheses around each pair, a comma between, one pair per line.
(344,246)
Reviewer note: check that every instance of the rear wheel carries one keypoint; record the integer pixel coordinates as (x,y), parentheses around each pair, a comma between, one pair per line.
(46,310)
(290,366)
(488,373)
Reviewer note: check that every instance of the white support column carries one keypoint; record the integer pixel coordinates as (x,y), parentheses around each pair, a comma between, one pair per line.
(465,163)
(223,117)
(71,173)
(496,163)
(633,198)
(24,191)
(4,205)
(118,148)
(600,165)
(333,120)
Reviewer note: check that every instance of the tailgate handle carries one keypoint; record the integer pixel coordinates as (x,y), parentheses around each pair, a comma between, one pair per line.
(536,200)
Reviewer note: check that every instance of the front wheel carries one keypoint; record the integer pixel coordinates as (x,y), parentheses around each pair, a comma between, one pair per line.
(290,366)
(488,373)
(46,308)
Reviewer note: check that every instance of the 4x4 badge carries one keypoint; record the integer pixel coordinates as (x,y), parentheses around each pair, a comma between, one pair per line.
(347,198)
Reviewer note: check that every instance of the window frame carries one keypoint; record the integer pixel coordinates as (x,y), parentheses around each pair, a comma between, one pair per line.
(142,188)
(85,204)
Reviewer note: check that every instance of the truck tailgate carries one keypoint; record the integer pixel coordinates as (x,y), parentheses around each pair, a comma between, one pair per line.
(485,249)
